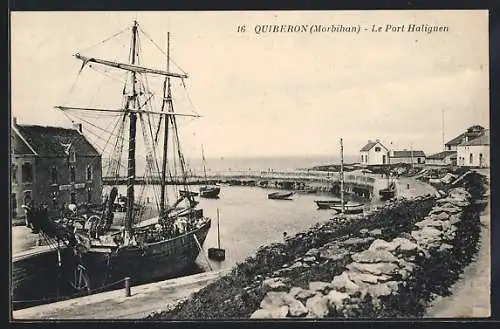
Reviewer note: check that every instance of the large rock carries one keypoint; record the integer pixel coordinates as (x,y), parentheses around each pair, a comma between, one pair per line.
(429,222)
(383,289)
(332,252)
(427,237)
(375,268)
(448,208)
(301,293)
(312,252)
(375,233)
(317,306)
(277,313)
(275,299)
(454,202)
(360,278)
(344,284)
(336,299)
(296,309)
(320,286)
(353,242)
(404,245)
(276,284)
(380,244)
(374,256)
(459,194)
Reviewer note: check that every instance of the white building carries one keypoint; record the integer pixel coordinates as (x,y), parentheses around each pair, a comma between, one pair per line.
(374,153)
(475,152)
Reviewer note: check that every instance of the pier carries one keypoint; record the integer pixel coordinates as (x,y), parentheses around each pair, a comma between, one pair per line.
(294,180)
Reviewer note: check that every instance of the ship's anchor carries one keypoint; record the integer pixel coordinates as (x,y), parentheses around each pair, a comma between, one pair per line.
(81,281)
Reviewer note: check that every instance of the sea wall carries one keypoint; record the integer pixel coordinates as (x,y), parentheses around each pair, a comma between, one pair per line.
(389,262)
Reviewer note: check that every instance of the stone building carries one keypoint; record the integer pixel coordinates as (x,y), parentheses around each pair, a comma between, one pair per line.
(475,152)
(53,165)
(409,157)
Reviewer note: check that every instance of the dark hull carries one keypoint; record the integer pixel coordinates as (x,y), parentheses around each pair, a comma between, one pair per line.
(386,194)
(280,196)
(37,277)
(34,277)
(154,261)
(327,204)
(188,193)
(210,192)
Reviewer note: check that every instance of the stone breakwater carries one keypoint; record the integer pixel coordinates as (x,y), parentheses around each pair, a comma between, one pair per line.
(384,279)
(389,262)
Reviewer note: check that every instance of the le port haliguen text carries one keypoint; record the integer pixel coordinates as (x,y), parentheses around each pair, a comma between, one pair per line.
(343,28)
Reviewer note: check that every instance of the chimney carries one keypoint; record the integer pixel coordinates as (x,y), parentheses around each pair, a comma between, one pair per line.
(377,140)
(78,126)
(369,141)
(14,119)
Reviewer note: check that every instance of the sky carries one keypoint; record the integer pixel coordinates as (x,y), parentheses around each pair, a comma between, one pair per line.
(272,94)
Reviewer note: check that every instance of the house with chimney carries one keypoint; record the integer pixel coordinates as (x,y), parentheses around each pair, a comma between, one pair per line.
(471,133)
(374,153)
(53,165)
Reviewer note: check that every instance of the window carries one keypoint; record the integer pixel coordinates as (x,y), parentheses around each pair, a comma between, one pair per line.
(377,149)
(89,172)
(73,197)
(14,173)
(53,175)
(89,195)
(72,174)
(27,173)
(72,156)
(470,158)
(419,160)
(481,160)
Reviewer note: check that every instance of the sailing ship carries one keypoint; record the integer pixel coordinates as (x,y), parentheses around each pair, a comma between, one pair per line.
(160,247)
(345,207)
(208,191)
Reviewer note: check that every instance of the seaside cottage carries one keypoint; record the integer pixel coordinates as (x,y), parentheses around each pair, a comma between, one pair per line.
(374,153)
(52,165)
(445,158)
(405,156)
(475,152)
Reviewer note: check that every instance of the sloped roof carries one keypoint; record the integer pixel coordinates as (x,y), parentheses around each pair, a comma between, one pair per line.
(370,145)
(483,140)
(54,141)
(442,155)
(407,154)
(19,146)
(472,132)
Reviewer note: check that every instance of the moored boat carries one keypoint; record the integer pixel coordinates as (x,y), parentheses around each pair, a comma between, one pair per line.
(327,204)
(280,195)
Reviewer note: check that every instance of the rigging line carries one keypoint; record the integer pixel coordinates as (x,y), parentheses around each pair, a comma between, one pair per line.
(161,50)
(97,127)
(189,97)
(105,73)
(106,40)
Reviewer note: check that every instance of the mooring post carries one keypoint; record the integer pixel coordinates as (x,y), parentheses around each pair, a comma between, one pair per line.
(127,287)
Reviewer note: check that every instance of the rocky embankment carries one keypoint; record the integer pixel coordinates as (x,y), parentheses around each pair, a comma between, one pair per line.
(389,262)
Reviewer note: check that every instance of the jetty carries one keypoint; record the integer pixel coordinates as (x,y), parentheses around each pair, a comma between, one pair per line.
(115,304)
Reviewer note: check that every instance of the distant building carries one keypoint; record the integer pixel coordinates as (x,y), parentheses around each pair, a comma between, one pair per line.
(445,158)
(374,153)
(471,133)
(414,156)
(53,165)
(475,152)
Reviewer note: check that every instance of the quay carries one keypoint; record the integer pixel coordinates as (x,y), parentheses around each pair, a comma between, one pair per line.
(297,179)
(115,305)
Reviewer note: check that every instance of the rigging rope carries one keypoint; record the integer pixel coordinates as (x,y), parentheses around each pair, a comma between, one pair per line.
(105,40)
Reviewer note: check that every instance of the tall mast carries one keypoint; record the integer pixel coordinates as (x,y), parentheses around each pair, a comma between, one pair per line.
(168,99)
(131,102)
(342,175)
(203,158)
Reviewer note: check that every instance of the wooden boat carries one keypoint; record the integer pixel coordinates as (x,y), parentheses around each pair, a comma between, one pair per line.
(159,248)
(208,191)
(280,195)
(355,208)
(389,192)
(327,204)
(187,193)
(218,253)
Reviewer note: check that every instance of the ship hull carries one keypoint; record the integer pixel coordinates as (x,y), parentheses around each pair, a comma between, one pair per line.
(154,261)
(210,192)
(35,278)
